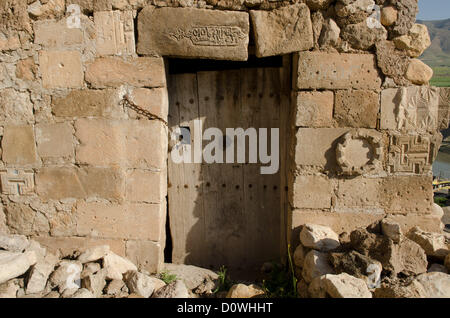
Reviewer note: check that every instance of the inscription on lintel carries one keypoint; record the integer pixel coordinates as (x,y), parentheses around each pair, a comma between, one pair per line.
(212,35)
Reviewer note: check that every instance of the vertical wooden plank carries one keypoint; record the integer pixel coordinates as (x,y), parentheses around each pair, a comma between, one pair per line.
(185,211)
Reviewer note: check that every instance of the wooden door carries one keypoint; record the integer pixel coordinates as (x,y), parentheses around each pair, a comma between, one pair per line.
(228,214)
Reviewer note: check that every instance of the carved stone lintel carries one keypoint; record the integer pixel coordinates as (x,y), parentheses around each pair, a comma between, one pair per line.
(360,152)
(17,182)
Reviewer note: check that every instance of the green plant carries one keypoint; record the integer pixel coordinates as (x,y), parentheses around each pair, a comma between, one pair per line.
(166,277)
(282,282)
(440,201)
(224,283)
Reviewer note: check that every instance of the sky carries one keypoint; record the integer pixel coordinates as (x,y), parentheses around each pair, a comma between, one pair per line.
(434,9)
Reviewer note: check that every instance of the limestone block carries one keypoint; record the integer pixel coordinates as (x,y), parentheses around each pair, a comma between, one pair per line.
(15,264)
(114,72)
(61,69)
(245,291)
(415,42)
(434,285)
(318,4)
(410,108)
(392,230)
(359,194)
(93,254)
(132,143)
(316,264)
(346,286)
(9,43)
(127,221)
(178,289)
(155,101)
(319,237)
(330,34)
(145,186)
(433,243)
(444,108)
(65,246)
(389,15)
(142,284)
(87,103)
(418,72)
(116,266)
(412,153)
(316,146)
(95,283)
(13,243)
(281,31)
(314,109)
(311,192)
(37,279)
(195,33)
(26,69)
(80,183)
(147,255)
(46,9)
(15,107)
(407,11)
(19,146)
(356,108)
(55,140)
(114,32)
(361,36)
(56,34)
(319,70)
(17,182)
(66,276)
(392,62)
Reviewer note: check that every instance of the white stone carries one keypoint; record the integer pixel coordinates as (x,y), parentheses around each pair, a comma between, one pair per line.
(142,284)
(37,280)
(13,265)
(434,285)
(316,264)
(67,275)
(9,289)
(319,237)
(432,243)
(346,286)
(13,243)
(93,254)
(116,266)
(192,276)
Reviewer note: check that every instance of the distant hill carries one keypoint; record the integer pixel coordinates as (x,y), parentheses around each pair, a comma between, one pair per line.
(438,54)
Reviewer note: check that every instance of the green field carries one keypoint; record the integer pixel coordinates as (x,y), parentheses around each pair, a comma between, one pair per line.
(440,63)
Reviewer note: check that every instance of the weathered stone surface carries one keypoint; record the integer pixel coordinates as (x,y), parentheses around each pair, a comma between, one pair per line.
(55,140)
(361,36)
(410,108)
(316,264)
(345,286)
(318,4)
(82,293)
(61,69)
(407,11)
(15,264)
(142,284)
(13,243)
(90,268)
(412,258)
(15,107)
(116,266)
(415,42)
(316,146)
(176,289)
(19,146)
(93,254)
(392,230)
(87,103)
(114,32)
(66,182)
(132,143)
(311,192)
(114,72)
(115,287)
(444,108)
(147,255)
(244,291)
(356,108)
(389,15)
(437,268)
(434,285)
(66,276)
(354,11)
(281,31)
(46,9)
(130,221)
(299,255)
(39,273)
(9,289)
(314,109)
(418,72)
(56,34)
(155,101)
(392,62)
(319,70)
(432,243)
(22,219)
(319,237)
(95,283)
(330,33)
(189,32)
(26,69)
(193,277)
(145,186)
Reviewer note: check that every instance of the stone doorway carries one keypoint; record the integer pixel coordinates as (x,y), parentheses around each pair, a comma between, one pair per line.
(228,213)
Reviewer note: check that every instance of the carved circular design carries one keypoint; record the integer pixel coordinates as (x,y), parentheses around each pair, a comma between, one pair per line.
(360,152)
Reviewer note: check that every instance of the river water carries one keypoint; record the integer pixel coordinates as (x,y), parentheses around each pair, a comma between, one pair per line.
(441,166)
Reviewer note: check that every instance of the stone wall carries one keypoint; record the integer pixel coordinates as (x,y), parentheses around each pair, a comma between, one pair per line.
(83,120)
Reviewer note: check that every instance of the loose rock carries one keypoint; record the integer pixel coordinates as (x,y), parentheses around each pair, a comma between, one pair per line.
(244,291)
(319,237)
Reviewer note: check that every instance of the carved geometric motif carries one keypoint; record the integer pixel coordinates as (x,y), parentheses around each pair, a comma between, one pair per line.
(444,108)
(17,182)
(413,153)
